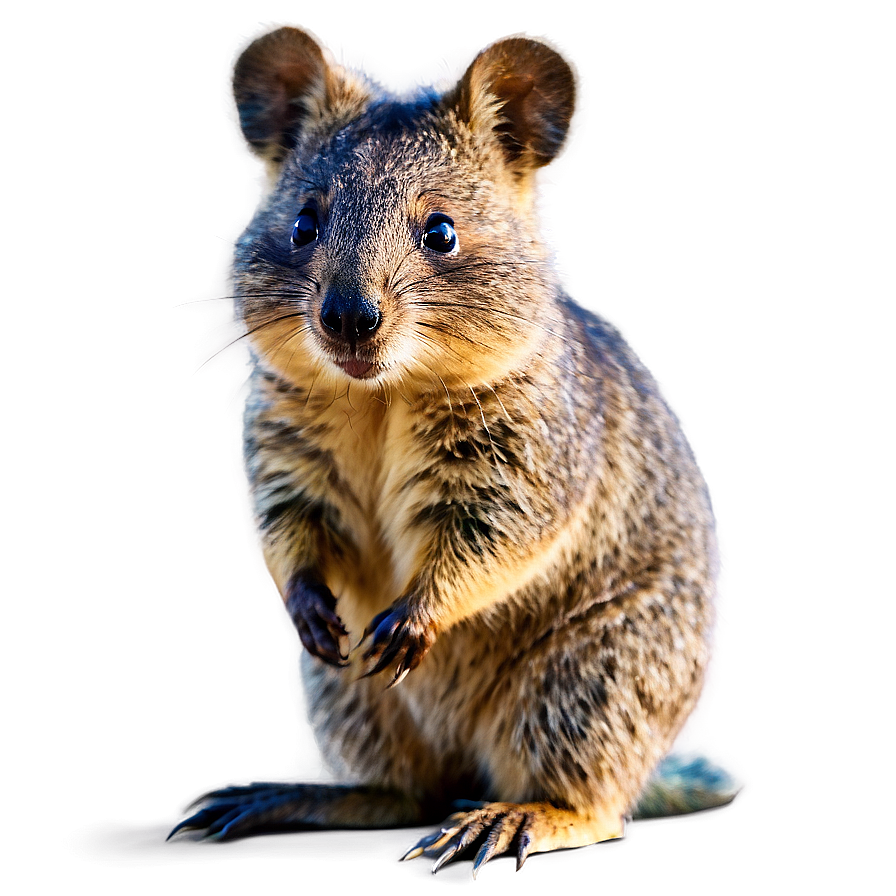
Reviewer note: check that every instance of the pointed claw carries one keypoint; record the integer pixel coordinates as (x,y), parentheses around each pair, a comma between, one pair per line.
(400,675)
(430,844)
(387,657)
(235,793)
(418,848)
(216,830)
(384,630)
(525,842)
(178,827)
(413,657)
(198,820)
(434,847)
(445,857)
(471,834)
(487,850)
(477,864)
(231,830)
(212,794)
(312,608)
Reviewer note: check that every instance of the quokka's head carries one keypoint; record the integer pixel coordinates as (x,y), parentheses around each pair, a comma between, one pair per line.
(398,243)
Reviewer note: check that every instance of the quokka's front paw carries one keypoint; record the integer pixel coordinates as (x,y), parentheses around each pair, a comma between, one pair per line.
(312,607)
(399,637)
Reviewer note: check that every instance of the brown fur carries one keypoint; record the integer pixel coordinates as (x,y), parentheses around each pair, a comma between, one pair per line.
(501,507)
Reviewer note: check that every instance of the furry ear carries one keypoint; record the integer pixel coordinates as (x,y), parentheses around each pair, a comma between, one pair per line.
(524,92)
(277,82)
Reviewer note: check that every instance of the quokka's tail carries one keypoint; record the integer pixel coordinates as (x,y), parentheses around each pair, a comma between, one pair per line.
(685,784)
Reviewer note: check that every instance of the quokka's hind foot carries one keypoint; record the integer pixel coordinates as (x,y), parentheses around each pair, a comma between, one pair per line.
(234,812)
(494,829)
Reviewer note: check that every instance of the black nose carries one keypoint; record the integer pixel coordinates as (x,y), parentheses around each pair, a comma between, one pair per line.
(352,317)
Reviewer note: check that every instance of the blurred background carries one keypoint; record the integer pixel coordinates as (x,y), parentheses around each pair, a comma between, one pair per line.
(726,199)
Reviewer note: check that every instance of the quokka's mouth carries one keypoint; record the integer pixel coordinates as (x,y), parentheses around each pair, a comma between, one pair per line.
(357,368)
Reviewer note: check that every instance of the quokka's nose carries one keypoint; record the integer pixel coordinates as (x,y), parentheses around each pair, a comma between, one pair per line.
(351,317)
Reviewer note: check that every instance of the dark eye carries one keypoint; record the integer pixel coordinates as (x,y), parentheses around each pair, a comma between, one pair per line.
(439,234)
(305,229)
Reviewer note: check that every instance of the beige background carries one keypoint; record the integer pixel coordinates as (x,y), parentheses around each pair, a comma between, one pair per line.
(727,199)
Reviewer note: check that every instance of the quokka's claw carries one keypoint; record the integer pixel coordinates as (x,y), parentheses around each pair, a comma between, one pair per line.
(418,848)
(445,857)
(490,847)
(233,812)
(230,824)
(398,639)
(238,793)
(400,675)
(495,828)
(522,849)
(430,844)
(177,831)
(197,821)
(312,607)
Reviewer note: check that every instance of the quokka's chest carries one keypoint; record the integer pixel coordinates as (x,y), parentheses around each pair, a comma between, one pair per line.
(376,486)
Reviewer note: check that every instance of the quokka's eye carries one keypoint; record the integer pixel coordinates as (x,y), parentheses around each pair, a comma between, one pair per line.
(306,228)
(439,235)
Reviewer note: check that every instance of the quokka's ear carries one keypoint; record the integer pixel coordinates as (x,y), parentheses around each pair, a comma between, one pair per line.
(524,92)
(279,81)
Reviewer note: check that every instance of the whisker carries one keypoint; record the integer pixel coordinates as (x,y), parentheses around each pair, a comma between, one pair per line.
(348,398)
(498,399)
(422,337)
(202,301)
(390,283)
(218,236)
(226,325)
(443,347)
(250,332)
(349,418)
(464,269)
(244,227)
(485,311)
(401,394)
(449,332)
(310,390)
(498,465)
(278,294)
(306,328)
